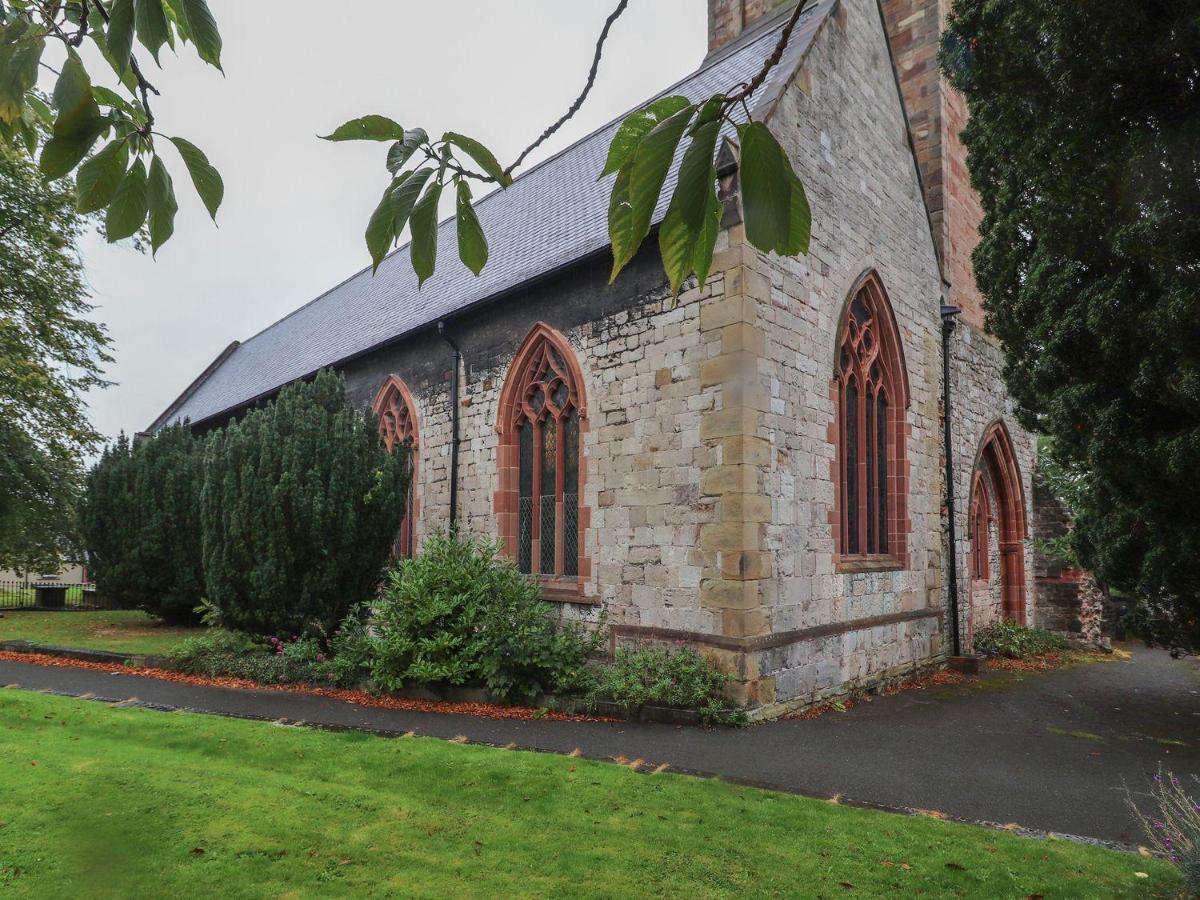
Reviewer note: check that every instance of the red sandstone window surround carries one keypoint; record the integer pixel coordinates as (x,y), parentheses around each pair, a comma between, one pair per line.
(542,419)
(398,425)
(870,389)
(981,517)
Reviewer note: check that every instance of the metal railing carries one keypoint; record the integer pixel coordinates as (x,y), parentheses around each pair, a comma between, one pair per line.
(42,593)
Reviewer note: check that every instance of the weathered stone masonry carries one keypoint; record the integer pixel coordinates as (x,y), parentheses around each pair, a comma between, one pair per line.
(711,451)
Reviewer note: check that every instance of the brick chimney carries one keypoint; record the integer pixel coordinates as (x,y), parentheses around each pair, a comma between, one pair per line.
(936,114)
(729,18)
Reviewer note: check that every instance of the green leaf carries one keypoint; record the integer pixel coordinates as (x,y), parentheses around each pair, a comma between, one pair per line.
(400,152)
(78,124)
(391,215)
(424,233)
(472,243)
(636,126)
(706,241)
(648,168)
(119,38)
(481,154)
(773,201)
(178,17)
(97,179)
(127,211)
(111,98)
(41,109)
(202,28)
(20,53)
(405,197)
(709,111)
(160,199)
(150,23)
(122,68)
(684,221)
(367,128)
(207,180)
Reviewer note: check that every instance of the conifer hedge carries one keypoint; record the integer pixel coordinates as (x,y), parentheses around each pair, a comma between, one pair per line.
(300,506)
(140,524)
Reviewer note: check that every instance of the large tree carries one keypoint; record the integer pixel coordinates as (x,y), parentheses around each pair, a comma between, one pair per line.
(1084,144)
(51,353)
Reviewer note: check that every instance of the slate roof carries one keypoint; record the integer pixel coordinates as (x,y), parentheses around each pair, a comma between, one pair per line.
(554,214)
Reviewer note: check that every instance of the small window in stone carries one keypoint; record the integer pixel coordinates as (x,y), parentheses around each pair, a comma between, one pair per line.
(980,524)
(870,379)
(544,404)
(398,426)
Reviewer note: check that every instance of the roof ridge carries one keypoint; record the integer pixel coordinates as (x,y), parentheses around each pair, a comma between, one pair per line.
(746,39)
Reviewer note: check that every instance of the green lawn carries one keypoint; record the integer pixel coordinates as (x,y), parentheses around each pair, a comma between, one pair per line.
(133,803)
(126,631)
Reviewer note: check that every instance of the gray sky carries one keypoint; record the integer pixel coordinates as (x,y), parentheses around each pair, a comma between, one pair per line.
(295,207)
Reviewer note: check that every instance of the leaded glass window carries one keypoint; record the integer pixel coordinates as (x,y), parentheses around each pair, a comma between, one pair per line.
(868,430)
(546,420)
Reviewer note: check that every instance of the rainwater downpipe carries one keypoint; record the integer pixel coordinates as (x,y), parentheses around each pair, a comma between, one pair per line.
(949,315)
(454,426)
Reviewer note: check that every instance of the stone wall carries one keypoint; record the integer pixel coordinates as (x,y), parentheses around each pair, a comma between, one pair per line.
(842,124)
(708,459)
(1056,583)
(979,400)
(641,354)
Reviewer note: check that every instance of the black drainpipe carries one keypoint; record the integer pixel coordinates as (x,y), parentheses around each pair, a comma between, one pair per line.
(454,435)
(949,314)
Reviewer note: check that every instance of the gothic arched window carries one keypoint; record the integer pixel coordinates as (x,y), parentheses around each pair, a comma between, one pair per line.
(398,425)
(981,517)
(872,395)
(541,413)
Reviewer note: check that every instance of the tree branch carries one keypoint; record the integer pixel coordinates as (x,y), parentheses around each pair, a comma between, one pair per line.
(773,60)
(145,88)
(591,80)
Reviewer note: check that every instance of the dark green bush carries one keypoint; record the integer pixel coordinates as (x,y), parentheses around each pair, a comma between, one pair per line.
(300,506)
(661,677)
(1013,641)
(140,523)
(459,614)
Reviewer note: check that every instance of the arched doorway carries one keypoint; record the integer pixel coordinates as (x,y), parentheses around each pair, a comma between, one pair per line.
(996,467)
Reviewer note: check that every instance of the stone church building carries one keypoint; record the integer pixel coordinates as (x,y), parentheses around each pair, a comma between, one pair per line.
(759,467)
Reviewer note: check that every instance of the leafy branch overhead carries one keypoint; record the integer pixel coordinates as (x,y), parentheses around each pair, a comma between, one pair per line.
(107,138)
(126,177)
(641,156)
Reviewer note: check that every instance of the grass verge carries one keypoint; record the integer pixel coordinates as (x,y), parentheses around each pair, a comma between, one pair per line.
(123,631)
(133,803)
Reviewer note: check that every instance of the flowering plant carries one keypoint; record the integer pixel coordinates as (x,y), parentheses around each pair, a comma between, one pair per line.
(1173,827)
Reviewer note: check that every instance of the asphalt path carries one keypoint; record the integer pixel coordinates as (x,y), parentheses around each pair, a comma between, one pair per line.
(1047,751)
